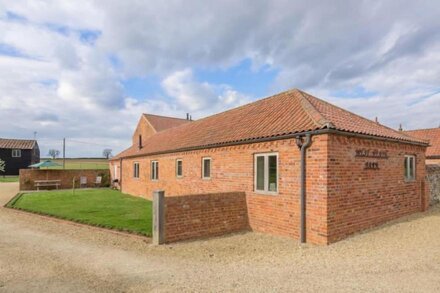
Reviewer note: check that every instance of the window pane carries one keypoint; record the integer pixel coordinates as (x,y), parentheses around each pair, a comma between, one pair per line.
(260,173)
(207,168)
(179,168)
(411,168)
(157,170)
(405,167)
(136,170)
(154,170)
(272,173)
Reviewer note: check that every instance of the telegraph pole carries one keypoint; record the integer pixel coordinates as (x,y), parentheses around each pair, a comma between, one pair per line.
(64,153)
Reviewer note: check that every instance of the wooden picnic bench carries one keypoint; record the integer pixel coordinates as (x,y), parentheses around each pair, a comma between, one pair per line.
(47,183)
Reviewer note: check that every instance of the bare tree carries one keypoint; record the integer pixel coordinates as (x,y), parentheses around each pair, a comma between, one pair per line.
(2,166)
(107,153)
(53,153)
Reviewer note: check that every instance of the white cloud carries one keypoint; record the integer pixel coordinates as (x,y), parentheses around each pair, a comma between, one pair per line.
(189,94)
(200,97)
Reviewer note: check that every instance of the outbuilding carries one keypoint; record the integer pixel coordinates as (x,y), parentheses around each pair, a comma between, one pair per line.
(18,154)
(309,170)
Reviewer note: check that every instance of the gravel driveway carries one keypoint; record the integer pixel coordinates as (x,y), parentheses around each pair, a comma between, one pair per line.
(43,255)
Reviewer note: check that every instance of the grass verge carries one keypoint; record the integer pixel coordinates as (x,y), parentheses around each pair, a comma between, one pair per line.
(8,179)
(98,207)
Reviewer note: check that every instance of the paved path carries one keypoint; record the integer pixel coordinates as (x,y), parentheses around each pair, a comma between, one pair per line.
(41,255)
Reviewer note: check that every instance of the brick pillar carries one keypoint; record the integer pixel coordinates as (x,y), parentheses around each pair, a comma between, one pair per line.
(425,195)
(158,217)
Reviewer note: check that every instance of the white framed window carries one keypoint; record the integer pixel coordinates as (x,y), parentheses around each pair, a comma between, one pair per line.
(154,170)
(136,170)
(206,168)
(179,168)
(266,173)
(410,168)
(16,153)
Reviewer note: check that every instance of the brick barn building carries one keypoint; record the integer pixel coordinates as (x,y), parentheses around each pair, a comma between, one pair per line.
(310,170)
(433,136)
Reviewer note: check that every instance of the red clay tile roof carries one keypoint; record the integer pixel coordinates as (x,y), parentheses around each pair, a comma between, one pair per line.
(161,123)
(23,144)
(286,113)
(347,121)
(433,135)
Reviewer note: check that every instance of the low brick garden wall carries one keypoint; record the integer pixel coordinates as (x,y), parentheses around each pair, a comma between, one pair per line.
(433,179)
(28,176)
(203,215)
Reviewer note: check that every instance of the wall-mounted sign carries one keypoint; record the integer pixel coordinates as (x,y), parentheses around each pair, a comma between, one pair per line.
(371,165)
(372,153)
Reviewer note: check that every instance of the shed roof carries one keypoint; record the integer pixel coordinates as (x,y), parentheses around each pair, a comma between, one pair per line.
(23,144)
(286,113)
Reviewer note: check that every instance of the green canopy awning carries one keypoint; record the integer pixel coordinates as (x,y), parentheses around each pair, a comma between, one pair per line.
(47,163)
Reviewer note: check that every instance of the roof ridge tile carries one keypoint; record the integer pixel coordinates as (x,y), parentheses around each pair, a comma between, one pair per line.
(162,116)
(312,112)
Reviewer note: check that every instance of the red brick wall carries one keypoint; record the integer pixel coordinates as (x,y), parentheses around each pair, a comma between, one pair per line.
(27,177)
(342,197)
(203,215)
(360,198)
(233,170)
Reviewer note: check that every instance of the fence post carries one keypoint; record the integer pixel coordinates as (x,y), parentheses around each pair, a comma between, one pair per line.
(158,217)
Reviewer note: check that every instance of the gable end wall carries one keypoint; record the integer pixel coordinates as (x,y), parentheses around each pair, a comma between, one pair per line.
(360,198)
(143,128)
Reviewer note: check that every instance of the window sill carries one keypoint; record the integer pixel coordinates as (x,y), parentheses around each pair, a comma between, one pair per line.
(206,178)
(259,192)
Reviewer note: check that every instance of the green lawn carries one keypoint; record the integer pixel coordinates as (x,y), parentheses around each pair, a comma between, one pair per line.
(8,179)
(99,207)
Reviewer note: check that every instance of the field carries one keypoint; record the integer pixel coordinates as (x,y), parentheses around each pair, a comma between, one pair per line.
(85,163)
(100,207)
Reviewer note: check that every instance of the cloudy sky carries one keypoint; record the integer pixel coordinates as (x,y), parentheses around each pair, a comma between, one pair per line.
(86,70)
